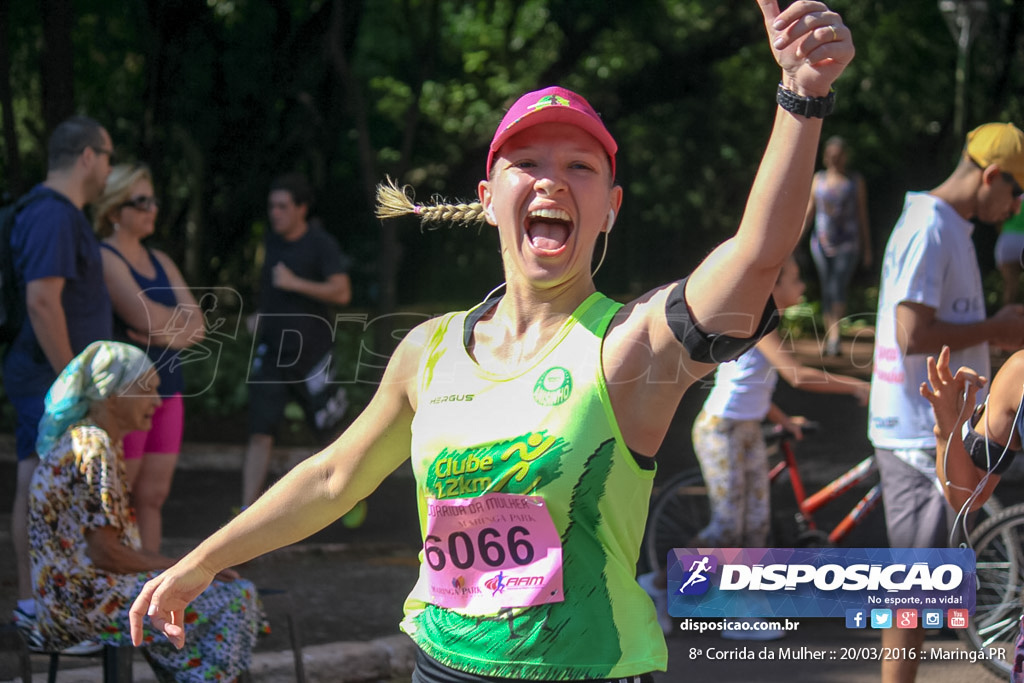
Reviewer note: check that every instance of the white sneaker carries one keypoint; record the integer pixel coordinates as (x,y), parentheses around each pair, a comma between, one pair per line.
(86,647)
(660,598)
(750,629)
(29,629)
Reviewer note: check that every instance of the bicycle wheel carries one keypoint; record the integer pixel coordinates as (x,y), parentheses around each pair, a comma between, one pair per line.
(999,547)
(679,512)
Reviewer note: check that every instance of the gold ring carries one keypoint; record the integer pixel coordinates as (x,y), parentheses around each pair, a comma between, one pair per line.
(835,34)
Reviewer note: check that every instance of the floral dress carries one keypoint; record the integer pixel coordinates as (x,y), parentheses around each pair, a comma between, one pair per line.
(78,486)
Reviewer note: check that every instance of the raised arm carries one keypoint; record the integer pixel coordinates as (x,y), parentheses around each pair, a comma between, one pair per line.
(727,292)
(311,496)
(646,367)
(809,214)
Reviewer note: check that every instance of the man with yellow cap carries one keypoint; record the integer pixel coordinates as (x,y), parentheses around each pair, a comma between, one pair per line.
(931,295)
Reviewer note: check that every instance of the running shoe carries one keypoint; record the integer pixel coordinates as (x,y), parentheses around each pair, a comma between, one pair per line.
(354,518)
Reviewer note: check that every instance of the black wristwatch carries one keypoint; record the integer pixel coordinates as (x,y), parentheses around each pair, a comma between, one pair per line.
(811,107)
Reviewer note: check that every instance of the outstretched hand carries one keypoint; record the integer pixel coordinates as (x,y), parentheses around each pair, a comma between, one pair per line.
(811,44)
(952,395)
(164,598)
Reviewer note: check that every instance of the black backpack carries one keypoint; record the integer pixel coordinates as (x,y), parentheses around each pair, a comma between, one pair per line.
(12,306)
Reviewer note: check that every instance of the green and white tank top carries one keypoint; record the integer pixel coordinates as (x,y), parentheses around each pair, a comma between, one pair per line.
(548,431)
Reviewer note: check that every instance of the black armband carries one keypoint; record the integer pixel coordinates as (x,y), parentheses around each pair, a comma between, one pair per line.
(707,347)
(987,455)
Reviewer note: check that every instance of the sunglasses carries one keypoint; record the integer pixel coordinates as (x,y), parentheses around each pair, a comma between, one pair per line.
(141,203)
(102,150)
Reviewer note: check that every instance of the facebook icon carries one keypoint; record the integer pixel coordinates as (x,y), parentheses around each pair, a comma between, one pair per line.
(856,618)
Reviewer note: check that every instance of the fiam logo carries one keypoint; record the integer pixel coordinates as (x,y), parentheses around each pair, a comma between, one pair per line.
(695,580)
(499,582)
(553,387)
(496,584)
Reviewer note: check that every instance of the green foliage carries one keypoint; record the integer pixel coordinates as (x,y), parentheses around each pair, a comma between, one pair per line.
(222,95)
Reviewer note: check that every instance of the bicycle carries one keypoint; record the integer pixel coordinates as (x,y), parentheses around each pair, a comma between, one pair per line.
(998,544)
(680,509)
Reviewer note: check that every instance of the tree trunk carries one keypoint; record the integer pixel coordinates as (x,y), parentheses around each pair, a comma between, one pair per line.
(388,254)
(58,68)
(15,183)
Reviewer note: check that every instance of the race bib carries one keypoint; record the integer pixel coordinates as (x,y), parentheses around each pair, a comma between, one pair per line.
(498,550)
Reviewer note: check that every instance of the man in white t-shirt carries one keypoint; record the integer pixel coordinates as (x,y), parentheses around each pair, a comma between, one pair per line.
(931,295)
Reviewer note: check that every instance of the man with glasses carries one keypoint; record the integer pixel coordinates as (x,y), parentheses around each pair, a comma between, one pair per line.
(931,295)
(59,276)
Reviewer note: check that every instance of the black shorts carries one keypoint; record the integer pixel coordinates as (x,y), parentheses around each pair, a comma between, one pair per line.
(429,670)
(271,385)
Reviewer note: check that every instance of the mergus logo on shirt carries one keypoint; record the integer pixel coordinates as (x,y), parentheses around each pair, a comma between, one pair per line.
(553,387)
(452,398)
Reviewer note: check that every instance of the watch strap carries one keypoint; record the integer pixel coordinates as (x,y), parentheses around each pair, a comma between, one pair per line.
(811,107)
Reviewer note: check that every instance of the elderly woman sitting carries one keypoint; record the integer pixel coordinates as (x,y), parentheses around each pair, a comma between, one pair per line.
(87,561)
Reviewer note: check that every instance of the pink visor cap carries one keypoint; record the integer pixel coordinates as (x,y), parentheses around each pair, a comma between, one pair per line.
(552,105)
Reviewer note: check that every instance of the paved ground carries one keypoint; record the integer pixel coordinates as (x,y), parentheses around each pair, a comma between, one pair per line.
(343,588)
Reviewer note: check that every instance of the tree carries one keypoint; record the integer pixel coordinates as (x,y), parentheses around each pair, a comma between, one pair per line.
(57,62)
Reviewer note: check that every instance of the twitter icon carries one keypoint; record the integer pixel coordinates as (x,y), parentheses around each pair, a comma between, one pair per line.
(881,618)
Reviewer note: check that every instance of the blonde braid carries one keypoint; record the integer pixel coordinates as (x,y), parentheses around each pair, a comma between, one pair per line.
(394,201)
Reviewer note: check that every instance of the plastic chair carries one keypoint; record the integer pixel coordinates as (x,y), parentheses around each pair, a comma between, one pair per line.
(117,663)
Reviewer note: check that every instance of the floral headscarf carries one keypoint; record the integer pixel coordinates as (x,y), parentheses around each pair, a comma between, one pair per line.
(101,370)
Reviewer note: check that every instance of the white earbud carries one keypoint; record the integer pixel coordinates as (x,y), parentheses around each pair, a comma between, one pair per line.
(490,214)
(611,220)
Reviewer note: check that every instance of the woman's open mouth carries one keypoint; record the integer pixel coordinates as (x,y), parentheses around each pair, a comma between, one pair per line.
(548,229)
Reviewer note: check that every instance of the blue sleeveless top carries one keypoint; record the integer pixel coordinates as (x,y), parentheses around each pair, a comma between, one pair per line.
(158,290)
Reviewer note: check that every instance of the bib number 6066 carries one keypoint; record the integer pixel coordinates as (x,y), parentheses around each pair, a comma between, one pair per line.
(463,551)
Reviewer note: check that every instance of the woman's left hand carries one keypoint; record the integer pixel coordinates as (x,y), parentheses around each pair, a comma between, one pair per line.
(164,599)
(811,44)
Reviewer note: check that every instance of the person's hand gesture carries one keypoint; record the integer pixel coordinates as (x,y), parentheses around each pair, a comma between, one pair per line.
(164,598)
(283,277)
(810,43)
(952,396)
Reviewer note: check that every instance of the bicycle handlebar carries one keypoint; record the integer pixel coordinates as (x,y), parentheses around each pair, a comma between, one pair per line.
(774,433)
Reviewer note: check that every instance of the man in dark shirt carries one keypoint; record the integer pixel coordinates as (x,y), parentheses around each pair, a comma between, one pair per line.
(59,272)
(304,273)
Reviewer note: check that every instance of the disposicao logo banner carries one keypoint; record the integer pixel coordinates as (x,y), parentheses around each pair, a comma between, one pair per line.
(817,582)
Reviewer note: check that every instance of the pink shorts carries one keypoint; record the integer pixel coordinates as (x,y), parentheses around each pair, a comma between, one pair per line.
(165,434)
